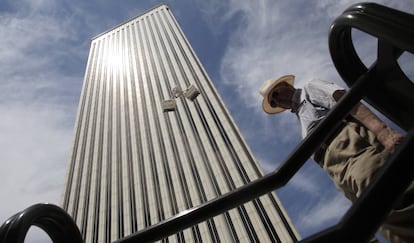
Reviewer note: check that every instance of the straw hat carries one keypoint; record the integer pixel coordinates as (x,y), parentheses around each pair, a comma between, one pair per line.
(268,86)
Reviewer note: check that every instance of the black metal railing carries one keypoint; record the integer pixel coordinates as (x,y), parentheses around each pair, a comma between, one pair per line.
(391,91)
(52,219)
(384,85)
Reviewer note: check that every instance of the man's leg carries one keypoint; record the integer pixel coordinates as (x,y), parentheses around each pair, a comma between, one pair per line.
(352,160)
(399,225)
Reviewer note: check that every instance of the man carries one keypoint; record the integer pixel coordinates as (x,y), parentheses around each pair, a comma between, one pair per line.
(356,151)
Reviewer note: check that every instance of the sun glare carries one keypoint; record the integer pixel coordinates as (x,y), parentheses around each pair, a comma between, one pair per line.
(114,60)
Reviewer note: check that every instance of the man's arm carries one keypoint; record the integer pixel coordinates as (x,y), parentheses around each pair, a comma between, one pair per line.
(386,135)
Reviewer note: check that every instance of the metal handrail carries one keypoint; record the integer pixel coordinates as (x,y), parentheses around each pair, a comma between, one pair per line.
(394,30)
(395,33)
(51,218)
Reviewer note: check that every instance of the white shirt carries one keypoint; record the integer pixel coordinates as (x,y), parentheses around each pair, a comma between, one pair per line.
(313,103)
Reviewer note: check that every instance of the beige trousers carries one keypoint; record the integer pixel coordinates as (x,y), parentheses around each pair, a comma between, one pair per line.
(352,159)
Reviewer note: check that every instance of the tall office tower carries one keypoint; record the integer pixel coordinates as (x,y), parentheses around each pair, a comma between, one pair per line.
(153,138)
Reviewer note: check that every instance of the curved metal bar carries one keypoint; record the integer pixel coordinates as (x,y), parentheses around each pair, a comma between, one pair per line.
(398,17)
(52,219)
(395,33)
(378,21)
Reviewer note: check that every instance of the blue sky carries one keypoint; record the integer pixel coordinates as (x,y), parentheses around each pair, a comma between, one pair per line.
(44,49)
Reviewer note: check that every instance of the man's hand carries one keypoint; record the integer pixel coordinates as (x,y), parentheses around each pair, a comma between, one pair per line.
(389,138)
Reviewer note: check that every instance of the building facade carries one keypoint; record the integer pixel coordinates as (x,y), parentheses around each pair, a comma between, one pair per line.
(137,161)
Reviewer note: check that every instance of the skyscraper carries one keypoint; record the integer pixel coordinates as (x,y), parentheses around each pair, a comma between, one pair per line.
(153,138)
